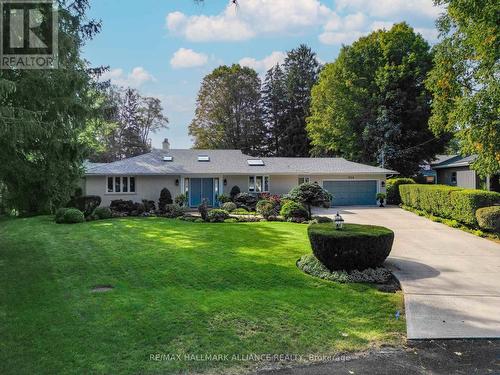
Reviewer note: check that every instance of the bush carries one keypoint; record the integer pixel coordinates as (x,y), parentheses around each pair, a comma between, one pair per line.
(59,216)
(309,194)
(229,206)
(234,192)
(181,200)
(447,201)
(128,208)
(392,187)
(217,215)
(86,203)
(224,199)
(203,209)
(101,213)
(231,220)
(266,208)
(354,247)
(246,201)
(241,211)
(322,219)
(173,211)
(69,216)
(149,206)
(294,210)
(488,218)
(165,198)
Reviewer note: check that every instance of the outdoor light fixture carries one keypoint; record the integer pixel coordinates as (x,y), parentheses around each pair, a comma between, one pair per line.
(339,222)
(225,182)
(176,182)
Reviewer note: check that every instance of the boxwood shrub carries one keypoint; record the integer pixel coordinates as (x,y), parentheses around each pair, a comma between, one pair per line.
(294,210)
(101,213)
(392,186)
(69,216)
(354,247)
(229,206)
(488,218)
(447,201)
(217,215)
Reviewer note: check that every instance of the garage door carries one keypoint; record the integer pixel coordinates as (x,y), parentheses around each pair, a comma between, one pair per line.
(352,193)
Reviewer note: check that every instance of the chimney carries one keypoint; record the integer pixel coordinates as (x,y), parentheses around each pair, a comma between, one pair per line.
(166,145)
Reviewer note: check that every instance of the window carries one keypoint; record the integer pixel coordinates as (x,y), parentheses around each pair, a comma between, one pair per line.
(120,184)
(303,180)
(216,187)
(453,178)
(168,158)
(186,186)
(258,184)
(203,158)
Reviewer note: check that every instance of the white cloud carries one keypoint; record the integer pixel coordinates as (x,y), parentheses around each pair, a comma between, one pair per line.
(390,8)
(266,63)
(430,34)
(136,78)
(187,58)
(251,18)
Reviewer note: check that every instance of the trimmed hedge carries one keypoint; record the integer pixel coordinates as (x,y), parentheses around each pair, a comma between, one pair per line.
(447,201)
(354,247)
(217,215)
(488,218)
(101,213)
(392,186)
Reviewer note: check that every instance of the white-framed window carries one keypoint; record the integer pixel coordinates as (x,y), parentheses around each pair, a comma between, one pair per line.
(303,180)
(258,184)
(120,184)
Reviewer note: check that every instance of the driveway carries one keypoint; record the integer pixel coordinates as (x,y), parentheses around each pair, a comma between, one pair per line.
(450,278)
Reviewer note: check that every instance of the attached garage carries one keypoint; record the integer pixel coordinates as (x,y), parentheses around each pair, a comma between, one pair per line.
(352,193)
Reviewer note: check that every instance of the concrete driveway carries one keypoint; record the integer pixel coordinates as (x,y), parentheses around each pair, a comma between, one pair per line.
(450,278)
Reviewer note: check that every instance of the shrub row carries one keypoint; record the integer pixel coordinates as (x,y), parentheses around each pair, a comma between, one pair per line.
(392,186)
(447,201)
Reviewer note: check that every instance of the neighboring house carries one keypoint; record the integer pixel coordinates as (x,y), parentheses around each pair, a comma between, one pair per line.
(206,174)
(428,174)
(454,170)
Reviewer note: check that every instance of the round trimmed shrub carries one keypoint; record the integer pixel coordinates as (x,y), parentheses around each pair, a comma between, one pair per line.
(266,208)
(488,218)
(353,247)
(173,211)
(101,213)
(294,210)
(59,216)
(73,216)
(229,206)
(217,215)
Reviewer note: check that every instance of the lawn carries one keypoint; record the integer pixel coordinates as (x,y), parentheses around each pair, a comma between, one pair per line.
(180,288)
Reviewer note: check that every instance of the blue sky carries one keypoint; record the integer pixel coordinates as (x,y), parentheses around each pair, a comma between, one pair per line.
(164,48)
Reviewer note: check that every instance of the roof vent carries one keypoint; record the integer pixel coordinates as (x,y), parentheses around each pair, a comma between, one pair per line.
(203,158)
(168,158)
(255,162)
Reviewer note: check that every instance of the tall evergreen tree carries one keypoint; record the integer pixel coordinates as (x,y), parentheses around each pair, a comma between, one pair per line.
(228,112)
(301,69)
(42,113)
(274,106)
(371,104)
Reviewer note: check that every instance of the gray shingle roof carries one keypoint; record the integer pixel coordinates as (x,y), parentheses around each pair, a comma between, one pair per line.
(226,162)
(455,161)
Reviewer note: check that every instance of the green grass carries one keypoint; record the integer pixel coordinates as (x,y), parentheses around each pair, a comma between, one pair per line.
(179,288)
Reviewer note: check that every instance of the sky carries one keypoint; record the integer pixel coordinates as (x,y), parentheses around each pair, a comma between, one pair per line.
(164,48)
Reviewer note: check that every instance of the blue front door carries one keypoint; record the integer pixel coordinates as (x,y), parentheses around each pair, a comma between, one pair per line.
(201,188)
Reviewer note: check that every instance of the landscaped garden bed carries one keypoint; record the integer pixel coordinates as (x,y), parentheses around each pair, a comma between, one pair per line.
(173,287)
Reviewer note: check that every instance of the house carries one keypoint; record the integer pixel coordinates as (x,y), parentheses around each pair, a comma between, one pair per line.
(206,174)
(427,174)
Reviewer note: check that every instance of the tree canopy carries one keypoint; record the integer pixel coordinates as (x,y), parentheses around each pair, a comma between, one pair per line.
(228,112)
(465,80)
(370,105)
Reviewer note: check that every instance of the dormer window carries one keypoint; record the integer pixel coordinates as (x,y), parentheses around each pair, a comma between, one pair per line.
(255,162)
(204,158)
(168,158)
